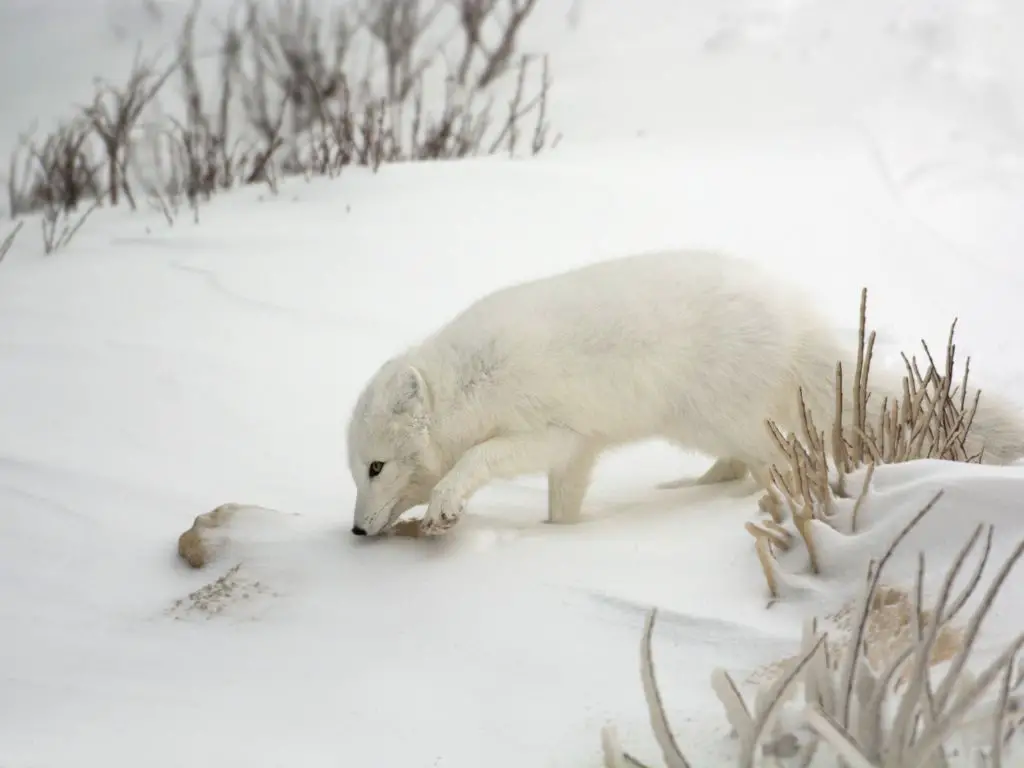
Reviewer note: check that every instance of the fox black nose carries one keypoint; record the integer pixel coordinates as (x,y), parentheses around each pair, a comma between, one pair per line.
(356,530)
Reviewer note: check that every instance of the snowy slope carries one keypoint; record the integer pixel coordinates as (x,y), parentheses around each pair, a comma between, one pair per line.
(150,373)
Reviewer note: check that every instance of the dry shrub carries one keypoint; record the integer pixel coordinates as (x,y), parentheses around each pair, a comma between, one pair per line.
(60,172)
(293,94)
(114,114)
(870,709)
(931,420)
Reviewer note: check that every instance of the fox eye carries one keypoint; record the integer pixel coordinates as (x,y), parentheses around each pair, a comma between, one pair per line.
(376,467)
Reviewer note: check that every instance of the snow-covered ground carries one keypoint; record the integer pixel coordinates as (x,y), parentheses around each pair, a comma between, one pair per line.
(149,373)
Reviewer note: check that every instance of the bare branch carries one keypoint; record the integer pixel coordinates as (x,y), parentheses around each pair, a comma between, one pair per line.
(8,242)
(114,114)
(59,226)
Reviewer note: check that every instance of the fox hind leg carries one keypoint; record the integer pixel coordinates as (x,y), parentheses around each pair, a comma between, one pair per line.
(568,482)
(724,470)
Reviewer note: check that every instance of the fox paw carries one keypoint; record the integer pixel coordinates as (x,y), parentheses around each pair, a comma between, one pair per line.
(443,513)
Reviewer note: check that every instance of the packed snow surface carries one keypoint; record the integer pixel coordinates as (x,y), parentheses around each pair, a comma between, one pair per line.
(150,373)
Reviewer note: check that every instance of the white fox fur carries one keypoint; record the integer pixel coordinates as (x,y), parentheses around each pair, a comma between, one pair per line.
(694,347)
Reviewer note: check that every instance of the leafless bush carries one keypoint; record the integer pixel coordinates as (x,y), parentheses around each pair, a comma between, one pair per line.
(931,420)
(291,78)
(60,172)
(290,97)
(869,715)
(399,25)
(8,242)
(496,57)
(203,158)
(286,102)
(114,114)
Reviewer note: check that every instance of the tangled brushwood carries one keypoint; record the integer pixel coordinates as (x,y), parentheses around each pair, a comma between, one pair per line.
(293,93)
(931,420)
(869,712)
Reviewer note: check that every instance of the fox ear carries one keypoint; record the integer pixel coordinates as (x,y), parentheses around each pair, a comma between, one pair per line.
(411,393)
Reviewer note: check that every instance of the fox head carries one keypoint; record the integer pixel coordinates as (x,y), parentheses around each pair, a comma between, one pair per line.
(390,452)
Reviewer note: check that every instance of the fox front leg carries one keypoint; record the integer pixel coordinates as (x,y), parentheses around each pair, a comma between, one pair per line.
(502,457)
(443,512)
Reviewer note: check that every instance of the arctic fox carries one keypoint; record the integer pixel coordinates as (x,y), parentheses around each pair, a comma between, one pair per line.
(694,347)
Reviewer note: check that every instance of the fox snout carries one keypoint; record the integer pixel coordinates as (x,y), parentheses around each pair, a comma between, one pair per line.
(372,522)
